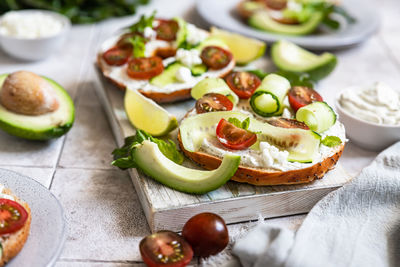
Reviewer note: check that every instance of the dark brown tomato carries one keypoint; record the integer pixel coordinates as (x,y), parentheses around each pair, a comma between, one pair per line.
(287,123)
(206,233)
(12,216)
(243,83)
(165,248)
(166,29)
(145,67)
(276,4)
(117,56)
(234,137)
(165,52)
(216,57)
(213,102)
(300,96)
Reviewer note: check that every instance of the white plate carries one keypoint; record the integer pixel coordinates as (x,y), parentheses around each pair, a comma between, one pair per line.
(222,14)
(48,228)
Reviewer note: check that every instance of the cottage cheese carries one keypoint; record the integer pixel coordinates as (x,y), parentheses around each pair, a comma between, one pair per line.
(188,57)
(195,35)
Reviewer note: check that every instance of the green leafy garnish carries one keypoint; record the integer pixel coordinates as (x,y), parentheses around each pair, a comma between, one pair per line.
(331,141)
(143,23)
(240,124)
(123,156)
(139,45)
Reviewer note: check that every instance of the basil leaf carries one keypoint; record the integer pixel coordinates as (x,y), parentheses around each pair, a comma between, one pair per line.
(331,141)
(246,123)
(235,122)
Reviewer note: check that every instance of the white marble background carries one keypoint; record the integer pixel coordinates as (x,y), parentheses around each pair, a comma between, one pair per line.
(105,219)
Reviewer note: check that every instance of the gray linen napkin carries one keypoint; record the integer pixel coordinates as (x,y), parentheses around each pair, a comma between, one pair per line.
(356,225)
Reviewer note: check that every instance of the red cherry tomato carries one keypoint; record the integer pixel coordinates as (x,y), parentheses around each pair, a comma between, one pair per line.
(145,68)
(287,123)
(117,56)
(215,57)
(165,248)
(300,96)
(213,102)
(276,4)
(243,83)
(165,52)
(12,216)
(206,233)
(234,137)
(166,29)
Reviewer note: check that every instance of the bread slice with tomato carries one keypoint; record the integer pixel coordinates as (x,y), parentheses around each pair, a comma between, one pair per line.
(163,59)
(15,216)
(276,149)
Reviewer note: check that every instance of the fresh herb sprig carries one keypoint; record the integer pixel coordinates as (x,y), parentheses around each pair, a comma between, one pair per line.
(123,155)
(139,45)
(143,22)
(331,141)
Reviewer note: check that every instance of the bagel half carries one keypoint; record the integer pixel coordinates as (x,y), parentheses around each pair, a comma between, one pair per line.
(13,243)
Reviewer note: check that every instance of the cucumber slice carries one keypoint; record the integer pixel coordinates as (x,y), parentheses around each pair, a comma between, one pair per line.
(168,76)
(182,32)
(213,85)
(148,157)
(267,100)
(319,116)
(198,70)
(263,21)
(301,144)
(290,57)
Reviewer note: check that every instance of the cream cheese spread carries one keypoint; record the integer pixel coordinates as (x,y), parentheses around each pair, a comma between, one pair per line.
(3,195)
(378,104)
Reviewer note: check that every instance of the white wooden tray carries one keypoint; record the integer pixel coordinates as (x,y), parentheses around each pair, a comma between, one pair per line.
(166,208)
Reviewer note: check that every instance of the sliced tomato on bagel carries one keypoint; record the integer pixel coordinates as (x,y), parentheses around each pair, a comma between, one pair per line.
(145,68)
(300,96)
(234,137)
(166,29)
(243,83)
(117,56)
(213,102)
(12,216)
(216,57)
(287,123)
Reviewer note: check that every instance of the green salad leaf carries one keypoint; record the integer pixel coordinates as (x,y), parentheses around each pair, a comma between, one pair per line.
(123,155)
(143,23)
(139,45)
(331,141)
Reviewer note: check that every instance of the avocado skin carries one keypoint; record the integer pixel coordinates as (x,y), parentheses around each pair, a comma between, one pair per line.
(41,135)
(317,73)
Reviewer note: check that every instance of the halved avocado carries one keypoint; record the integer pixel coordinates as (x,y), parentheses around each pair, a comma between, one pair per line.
(153,163)
(40,127)
(262,20)
(290,57)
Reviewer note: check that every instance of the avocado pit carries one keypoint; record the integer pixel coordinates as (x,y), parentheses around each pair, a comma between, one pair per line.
(27,93)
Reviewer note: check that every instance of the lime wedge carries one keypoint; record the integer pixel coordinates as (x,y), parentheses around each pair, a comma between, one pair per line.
(147,115)
(244,49)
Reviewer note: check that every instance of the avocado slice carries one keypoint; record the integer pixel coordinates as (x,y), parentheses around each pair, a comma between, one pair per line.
(292,58)
(40,127)
(153,163)
(167,76)
(262,20)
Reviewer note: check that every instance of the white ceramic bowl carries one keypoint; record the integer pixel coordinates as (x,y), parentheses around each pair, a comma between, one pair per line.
(38,48)
(368,135)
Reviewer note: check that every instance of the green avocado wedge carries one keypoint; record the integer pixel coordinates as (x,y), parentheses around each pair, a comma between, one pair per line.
(292,58)
(262,20)
(148,158)
(40,127)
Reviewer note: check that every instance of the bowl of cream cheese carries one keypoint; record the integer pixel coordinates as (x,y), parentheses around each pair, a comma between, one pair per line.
(32,34)
(371,115)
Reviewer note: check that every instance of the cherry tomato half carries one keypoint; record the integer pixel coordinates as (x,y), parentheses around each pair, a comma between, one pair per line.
(276,4)
(145,67)
(213,102)
(165,52)
(206,233)
(166,29)
(287,123)
(300,96)
(215,57)
(165,248)
(234,137)
(243,83)
(12,216)
(117,56)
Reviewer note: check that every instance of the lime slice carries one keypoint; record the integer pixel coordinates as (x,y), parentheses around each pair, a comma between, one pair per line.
(147,115)
(244,49)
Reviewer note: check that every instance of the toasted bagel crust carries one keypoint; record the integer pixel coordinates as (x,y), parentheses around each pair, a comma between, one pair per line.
(268,177)
(159,97)
(14,243)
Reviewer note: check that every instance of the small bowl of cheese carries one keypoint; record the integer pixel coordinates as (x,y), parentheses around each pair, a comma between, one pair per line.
(371,115)
(32,34)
